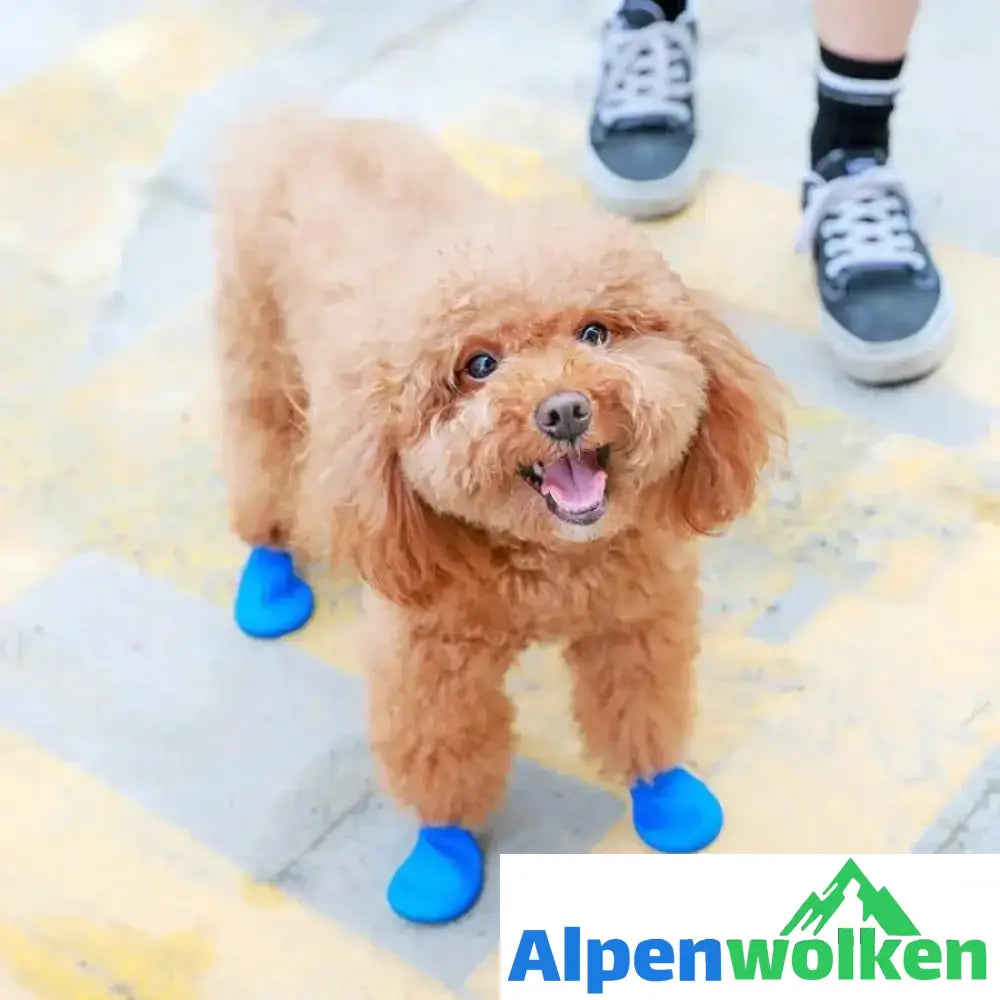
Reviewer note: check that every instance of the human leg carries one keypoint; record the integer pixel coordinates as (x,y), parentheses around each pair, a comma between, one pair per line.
(884,309)
(643,158)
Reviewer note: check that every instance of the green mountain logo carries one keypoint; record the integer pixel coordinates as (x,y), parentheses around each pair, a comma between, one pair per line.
(878,905)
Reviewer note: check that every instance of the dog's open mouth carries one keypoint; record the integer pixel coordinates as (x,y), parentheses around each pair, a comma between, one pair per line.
(575,486)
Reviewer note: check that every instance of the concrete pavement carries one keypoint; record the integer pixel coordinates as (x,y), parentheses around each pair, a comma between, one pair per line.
(188,814)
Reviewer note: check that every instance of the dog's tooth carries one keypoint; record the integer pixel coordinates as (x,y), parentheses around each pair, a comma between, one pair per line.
(538,469)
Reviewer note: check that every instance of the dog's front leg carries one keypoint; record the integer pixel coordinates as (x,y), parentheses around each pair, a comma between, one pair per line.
(441,725)
(633,700)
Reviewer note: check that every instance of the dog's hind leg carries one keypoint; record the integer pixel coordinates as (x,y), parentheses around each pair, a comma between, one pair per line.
(442,730)
(633,700)
(264,406)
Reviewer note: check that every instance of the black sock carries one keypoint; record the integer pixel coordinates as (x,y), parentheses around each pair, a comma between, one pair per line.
(672,9)
(855,99)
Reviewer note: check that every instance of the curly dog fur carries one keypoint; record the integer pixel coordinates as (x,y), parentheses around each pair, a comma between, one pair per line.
(358,271)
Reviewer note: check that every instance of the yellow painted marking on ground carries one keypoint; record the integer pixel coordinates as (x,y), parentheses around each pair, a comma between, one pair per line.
(540,688)
(990,448)
(157,59)
(621,839)
(484,983)
(987,508)
(136,469)
(98,897)
(907,567)
(31,548)
(157,390)
(973,279)
(735,241)
(44,325)
(510,171)
(898,710)
(11,990)
(741,680)
(65,959)
(30,450)
(79,139)
(869,739)
(335,632)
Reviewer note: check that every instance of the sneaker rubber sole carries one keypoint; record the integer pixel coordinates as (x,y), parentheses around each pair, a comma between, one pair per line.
(652,199)
(897,361)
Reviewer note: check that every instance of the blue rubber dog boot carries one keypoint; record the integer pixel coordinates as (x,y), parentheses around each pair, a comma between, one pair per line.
(675,812)
(272,600)
(441,879)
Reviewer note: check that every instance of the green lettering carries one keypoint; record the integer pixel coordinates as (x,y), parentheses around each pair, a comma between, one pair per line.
(870,958)
(921,959)
(801,954)
(975,949)
(845,953)
(757,957)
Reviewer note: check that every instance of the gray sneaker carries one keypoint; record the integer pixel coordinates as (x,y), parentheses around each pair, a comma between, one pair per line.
(643,158)
(884,308)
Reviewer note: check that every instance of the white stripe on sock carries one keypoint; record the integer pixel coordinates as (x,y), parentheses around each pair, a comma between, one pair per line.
(852,85)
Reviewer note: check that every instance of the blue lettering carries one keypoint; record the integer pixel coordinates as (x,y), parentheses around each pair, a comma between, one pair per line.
(654,951)
(711,949)
(597,974)
(571,954)
(545,963)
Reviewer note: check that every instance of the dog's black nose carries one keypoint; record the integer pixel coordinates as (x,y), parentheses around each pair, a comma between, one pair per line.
(564,416)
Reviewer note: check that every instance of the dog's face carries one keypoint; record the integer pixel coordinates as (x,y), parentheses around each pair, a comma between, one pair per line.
(556,420)
(553,382)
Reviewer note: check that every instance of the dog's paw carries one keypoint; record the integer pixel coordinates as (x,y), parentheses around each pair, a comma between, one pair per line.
(441,879)
(272,600)
(675,812)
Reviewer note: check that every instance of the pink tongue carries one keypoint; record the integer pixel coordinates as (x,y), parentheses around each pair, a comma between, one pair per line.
(575,483)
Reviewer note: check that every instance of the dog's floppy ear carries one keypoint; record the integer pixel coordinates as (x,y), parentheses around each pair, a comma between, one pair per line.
(354,502)
(742,419)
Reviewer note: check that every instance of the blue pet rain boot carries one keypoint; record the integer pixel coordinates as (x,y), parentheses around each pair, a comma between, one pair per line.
(441,879)
(675,812)
(272,600)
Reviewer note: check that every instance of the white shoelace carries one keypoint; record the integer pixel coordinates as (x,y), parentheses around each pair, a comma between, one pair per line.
(646,72)
(862,220)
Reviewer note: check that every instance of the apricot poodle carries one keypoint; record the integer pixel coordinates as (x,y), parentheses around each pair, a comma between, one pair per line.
(513,420)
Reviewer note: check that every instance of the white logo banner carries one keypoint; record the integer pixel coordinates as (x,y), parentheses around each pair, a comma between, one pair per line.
(729,925)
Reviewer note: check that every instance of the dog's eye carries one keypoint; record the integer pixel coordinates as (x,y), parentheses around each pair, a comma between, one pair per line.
(481,365)
(595,334)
